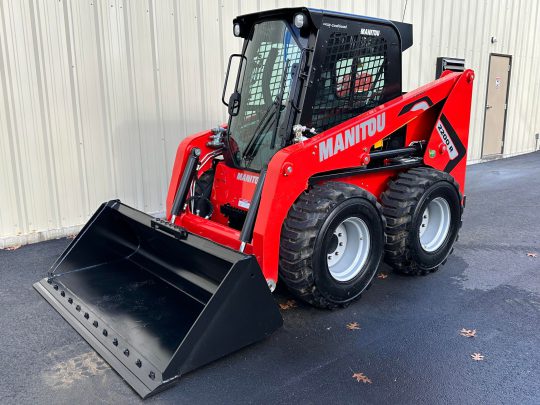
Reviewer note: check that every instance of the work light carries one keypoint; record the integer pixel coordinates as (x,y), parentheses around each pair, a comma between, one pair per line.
(299,20)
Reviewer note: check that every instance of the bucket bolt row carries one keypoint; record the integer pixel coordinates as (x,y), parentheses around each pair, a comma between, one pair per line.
(95,323)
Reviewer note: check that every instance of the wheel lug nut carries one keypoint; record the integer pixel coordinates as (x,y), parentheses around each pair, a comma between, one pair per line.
(329,257)
(340,234)
(337,253)
(340,243)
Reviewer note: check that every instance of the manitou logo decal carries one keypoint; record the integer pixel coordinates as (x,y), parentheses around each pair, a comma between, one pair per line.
(248,178)
(373,33)
(351,136)
(450,147)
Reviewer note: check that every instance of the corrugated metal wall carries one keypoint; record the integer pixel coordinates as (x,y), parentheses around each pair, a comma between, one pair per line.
(95,95)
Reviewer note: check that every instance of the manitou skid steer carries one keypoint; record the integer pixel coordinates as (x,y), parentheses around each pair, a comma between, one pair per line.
(324,168)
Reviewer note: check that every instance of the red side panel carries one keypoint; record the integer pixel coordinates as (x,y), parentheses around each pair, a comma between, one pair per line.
(447,146)
(234,187)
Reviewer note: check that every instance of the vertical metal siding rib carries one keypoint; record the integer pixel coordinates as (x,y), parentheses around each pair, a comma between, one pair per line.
(100,20)
(68,29)
(137,168)
(10,154)
(44,114)
(159,103)
(179,71)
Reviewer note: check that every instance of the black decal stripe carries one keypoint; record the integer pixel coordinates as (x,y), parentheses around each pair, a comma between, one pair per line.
(409,106)
(457,143)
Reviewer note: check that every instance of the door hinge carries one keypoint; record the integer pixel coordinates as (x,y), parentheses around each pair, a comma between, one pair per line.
(505,106)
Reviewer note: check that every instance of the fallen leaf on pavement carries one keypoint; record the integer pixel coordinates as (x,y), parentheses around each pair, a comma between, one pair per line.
(13,247)
(288,305)
(360,377)
(353,326)
(382,275)
(468,332)
(477,356)
(72,236)
(532,254)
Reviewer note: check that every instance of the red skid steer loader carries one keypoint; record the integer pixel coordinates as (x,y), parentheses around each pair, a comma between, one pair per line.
(324,169)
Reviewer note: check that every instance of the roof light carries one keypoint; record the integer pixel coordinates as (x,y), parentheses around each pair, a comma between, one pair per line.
(299,20)
(236,30)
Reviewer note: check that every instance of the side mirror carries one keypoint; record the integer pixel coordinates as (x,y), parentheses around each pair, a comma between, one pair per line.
(234,104)
(240,66)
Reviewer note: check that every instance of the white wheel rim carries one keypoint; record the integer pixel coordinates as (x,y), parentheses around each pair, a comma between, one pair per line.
(349,249)
(435,224)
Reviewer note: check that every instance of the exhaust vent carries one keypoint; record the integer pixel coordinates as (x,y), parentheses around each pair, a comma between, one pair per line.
(446,63)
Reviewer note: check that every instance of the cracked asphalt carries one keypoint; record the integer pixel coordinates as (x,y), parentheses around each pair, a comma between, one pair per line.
(408,343)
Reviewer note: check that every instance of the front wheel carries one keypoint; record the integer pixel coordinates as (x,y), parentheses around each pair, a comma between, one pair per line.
(331,244)
(423,211)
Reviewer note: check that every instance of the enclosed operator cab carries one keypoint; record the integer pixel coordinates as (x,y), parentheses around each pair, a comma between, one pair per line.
(308,67)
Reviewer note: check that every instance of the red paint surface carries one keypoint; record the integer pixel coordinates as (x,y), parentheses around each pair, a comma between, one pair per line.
(452,90)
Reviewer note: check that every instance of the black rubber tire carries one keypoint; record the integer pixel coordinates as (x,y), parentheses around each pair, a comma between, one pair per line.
(404,202)
(305,236)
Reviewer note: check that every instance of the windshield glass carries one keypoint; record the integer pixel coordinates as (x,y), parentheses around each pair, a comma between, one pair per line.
(272,58)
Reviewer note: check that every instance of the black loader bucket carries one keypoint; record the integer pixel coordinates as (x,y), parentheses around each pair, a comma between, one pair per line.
(156,301)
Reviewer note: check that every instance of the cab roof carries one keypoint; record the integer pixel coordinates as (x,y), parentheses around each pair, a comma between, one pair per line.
(315,17)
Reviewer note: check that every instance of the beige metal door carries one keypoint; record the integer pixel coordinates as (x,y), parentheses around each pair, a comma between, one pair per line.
(495,117)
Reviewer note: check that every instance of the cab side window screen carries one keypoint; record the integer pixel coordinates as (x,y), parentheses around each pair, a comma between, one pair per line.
(352,79)
(355,77)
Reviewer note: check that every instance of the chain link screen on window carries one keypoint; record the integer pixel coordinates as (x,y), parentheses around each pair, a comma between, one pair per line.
(270,60)
(352,80)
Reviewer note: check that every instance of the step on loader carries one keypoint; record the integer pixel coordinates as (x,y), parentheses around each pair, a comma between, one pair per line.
(324,169)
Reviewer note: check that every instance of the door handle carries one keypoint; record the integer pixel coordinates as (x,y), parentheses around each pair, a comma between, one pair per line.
(488,106)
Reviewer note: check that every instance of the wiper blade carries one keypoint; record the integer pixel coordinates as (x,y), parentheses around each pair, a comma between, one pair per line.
(249,153)
(255,142)
(280,101)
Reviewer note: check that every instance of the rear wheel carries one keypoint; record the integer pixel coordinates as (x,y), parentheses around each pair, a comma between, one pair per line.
(423,211)
(331,244)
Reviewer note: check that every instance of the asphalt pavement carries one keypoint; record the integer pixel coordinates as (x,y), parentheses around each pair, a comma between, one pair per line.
(408,344)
